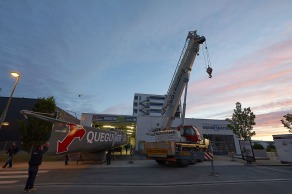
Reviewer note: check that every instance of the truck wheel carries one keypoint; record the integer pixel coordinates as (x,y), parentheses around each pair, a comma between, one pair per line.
(183,163)
(161,162)
(193,162)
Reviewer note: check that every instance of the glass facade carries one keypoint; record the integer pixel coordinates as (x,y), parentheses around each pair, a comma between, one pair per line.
(221,144)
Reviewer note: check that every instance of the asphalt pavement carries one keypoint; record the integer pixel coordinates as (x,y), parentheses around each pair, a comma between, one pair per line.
(140,162)
(137,175)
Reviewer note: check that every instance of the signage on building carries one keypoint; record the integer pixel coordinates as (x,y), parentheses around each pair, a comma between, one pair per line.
(215,127)
(113,118)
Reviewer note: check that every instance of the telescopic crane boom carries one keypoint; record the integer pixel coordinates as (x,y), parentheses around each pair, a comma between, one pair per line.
(180,78)
(182,145)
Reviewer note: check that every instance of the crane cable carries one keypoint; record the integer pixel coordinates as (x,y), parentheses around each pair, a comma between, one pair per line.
(207,59)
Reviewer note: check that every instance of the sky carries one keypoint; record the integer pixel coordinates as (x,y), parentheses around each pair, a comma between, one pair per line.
(94,55)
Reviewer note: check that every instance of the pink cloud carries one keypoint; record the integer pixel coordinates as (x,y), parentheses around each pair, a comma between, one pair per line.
(269,124)
(246,74)
(260,80)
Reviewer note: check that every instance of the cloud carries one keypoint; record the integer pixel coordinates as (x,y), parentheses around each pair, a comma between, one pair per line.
(117,109)
(269,124)
(260,80)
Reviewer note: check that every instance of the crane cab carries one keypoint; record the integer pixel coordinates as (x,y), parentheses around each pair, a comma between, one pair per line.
(189,133)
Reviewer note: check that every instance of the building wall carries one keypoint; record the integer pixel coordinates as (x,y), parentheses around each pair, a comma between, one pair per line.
(11,132)
(149,105)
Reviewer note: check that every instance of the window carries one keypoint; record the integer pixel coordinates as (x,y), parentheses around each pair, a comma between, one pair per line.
(157,97)
(155,104)
(155,111)
(188,131)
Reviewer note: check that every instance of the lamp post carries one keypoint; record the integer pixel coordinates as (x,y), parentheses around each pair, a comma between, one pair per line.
(3,116)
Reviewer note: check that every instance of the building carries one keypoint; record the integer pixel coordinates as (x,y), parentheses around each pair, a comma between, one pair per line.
(138,128)
(150,105)
(11,132)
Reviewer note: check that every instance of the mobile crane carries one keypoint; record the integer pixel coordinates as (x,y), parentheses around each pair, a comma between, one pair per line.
(182,144)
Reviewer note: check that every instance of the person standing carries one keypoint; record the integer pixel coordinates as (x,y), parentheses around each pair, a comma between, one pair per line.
(108,157)
(34,162)
(126,147)
(11,153)
(66,159)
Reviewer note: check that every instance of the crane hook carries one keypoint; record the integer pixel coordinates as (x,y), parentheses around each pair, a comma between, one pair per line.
(209,71)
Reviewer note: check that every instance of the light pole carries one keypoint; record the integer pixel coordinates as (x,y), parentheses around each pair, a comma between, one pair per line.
(3,116)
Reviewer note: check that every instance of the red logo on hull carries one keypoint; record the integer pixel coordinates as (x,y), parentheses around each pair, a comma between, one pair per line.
(75,131)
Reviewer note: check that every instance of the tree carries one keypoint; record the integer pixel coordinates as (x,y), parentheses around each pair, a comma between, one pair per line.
(287,122)
(36,131)
(242,122)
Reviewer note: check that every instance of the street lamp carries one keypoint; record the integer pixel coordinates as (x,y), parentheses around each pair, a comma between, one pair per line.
(5,123)
(3,116)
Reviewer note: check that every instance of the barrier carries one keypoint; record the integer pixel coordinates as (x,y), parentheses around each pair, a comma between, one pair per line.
(231,155)
(208,156)
(131,155)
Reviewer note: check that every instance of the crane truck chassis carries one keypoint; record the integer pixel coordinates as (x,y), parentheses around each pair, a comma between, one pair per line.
(182,153)
(182,144)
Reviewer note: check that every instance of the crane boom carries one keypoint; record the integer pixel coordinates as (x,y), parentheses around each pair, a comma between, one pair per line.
(180,78)
(182,144)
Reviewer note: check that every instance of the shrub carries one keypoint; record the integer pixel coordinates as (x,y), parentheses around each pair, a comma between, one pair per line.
(271,148)
(257,146)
